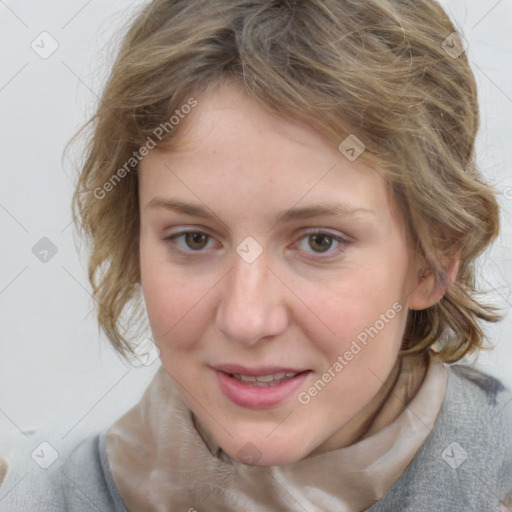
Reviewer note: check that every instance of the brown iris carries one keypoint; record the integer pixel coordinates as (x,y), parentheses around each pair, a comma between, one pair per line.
(196,241)
(321,242)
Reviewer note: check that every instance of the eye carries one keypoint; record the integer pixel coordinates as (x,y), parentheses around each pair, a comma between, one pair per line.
(317,243)
(193,240)
(322,242)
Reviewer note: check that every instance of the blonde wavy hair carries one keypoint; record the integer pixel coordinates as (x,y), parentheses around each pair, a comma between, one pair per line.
(376,69)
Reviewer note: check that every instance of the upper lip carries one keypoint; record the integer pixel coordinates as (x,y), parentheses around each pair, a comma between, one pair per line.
(256,371)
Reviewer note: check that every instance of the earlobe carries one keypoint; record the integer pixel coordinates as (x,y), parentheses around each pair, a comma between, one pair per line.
(427,290)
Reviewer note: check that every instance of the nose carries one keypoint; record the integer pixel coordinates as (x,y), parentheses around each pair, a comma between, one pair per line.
(252,306)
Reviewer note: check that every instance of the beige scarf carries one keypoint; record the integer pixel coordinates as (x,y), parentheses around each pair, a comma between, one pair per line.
(161,463)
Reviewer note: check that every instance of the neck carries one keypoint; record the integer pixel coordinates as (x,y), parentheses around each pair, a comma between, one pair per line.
(396,391)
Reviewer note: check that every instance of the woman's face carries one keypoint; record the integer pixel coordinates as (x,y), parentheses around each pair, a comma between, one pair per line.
(276,278)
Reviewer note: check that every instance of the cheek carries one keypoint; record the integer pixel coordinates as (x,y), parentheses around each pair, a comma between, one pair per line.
(368,337)
(162,304)
(356,301)
(178,306)
(167,299)
(363,320)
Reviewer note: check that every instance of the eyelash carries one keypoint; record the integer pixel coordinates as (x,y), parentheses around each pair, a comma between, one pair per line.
(343,243)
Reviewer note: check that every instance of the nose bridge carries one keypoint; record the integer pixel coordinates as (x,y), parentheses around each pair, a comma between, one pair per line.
(252,305)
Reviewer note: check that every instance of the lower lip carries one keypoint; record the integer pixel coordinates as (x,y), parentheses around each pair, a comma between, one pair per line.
(259,397)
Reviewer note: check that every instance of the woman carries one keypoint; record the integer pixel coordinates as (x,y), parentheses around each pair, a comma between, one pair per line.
(291,189)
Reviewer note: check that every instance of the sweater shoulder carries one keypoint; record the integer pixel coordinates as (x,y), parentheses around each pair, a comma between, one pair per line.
(485,389)
(85,478)
(80,482)
(465,463)
(475,399)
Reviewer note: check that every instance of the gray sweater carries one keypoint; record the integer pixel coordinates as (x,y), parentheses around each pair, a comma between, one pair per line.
(464,465)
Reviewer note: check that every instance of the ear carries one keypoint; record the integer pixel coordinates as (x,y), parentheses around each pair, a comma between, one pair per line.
(426,292)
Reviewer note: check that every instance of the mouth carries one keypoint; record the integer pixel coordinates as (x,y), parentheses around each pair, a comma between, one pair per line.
(259,388)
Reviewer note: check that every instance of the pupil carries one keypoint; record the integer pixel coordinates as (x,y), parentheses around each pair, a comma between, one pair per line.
(322,241)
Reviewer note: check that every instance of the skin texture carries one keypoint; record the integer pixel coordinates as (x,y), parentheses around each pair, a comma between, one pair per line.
(299,304)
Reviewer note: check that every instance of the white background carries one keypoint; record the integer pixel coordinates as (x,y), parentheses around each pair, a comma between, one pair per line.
(59,380)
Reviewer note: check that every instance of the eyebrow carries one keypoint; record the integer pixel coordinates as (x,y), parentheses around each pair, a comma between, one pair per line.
(305,212)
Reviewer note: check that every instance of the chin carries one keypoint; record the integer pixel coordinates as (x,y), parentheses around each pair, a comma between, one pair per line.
(264,453)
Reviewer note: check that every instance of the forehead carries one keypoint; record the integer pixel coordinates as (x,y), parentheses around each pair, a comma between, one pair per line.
(227,123)
(230,145)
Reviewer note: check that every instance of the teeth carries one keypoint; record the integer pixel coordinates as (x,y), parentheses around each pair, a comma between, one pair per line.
(270,378)
(246,378)
(264,380)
